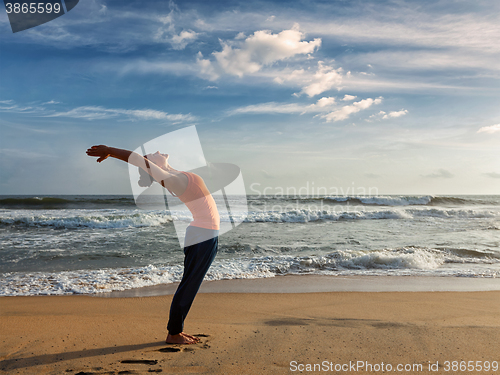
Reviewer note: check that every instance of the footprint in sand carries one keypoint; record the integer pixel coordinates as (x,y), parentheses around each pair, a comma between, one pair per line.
(142,361)
(169,350)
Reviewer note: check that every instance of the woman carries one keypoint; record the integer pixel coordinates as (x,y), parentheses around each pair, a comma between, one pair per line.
(201,242)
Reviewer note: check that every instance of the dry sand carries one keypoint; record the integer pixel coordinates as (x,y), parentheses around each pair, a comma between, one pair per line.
(250,333)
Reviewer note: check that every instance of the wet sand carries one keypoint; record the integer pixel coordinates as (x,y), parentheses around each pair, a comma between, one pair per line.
(252,333)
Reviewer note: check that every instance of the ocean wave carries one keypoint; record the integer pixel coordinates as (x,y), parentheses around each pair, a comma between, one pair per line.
(409,200)
(471,255)
(453,213)
(415,261)
(406,258)
(387,259)
(456,201)
(403,200)
(356,200)
(397,200)
(67,202)
(102,219)
(306,215)
(98,221)
(108,280)
(107,201)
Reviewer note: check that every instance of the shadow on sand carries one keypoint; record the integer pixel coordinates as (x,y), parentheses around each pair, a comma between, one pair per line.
(15,363)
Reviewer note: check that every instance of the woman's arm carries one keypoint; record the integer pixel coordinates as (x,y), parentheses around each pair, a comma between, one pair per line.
(165,178)
(103,152)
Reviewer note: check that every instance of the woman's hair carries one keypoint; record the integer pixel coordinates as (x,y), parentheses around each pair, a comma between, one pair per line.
(145,179)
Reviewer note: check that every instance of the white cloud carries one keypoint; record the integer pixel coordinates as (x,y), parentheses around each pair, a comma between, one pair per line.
(411,27)
(326,105)
(490,129)
(381,113)
(384,116)
(207,70)
(397,84)
(11,106)
(183,39)
(166,32)
(325,102)
(95,112)
(344,112)
(325,78)
(399,24)
(99,113)
(260,49)
(270,107)
(322,105)
(348,98)
(395,114)
(426,60)
(241,35)
(312,82)
(152,67)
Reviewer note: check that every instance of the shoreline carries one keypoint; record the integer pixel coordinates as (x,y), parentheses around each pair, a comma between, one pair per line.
(309,283)
(321,284)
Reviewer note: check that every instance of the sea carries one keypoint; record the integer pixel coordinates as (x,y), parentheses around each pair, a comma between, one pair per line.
(91,244)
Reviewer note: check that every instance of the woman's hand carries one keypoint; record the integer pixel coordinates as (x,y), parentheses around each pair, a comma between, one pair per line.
(101,152)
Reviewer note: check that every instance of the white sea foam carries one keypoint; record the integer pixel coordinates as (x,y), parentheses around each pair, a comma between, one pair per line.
(305,215)
(450,236)
(83,218)
(137,218)
(397,201)
(107,280)
(453,213)
(402,200)
(403,261)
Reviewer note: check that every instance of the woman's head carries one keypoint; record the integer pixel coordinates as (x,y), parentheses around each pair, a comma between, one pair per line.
(161,160)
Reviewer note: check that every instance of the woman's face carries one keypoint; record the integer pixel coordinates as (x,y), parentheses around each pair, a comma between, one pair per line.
(159,159)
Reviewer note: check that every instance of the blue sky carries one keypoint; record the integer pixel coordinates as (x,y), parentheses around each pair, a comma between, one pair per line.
(398,96)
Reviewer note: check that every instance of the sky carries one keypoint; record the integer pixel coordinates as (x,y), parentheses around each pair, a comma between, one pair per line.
(348,97)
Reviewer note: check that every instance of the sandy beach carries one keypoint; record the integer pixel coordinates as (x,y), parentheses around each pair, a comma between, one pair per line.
(253,333)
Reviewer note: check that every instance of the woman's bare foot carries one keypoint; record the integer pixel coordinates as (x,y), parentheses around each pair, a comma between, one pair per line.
(190,337)
(181,338)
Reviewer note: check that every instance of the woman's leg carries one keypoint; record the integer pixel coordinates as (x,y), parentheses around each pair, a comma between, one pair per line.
(197,261)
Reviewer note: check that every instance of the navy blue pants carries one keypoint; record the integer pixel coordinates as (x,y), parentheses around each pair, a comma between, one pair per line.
(199,252)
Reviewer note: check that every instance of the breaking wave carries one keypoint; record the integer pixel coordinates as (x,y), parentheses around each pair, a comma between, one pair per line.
(137,218)
(402,261)
(95,220)
(406,200)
